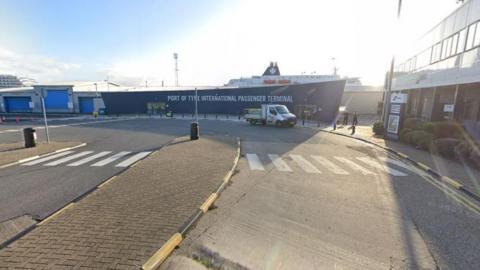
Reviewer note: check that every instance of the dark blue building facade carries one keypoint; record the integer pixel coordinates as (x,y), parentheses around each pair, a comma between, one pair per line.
(321,98)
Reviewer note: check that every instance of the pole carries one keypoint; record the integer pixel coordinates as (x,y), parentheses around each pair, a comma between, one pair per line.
(386,101)
(196,105)
(45,119)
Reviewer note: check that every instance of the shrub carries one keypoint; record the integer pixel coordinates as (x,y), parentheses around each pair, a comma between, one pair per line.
(378,128)
(427,127)
(444,146)
(474,157)
(447,129)
(421,139)
(405,135)
(463,150)
(412,123)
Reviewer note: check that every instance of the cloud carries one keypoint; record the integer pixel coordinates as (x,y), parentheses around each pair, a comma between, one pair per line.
(41,68)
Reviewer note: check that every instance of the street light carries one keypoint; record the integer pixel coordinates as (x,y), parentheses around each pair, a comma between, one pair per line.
(386,101)
(194,126)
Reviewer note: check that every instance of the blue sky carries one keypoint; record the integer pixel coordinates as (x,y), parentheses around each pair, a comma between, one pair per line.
(132,41)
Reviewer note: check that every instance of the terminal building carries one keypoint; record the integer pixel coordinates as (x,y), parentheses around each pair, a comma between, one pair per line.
(62,98)
(441,75)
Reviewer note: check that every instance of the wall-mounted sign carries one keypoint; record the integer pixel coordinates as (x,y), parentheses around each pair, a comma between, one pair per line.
(448,107)
(393,122)
(70,105)
(398,98)
(30,105)
(395,108)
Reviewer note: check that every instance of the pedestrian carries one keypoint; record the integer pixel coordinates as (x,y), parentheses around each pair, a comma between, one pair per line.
(345,118)
(354,122)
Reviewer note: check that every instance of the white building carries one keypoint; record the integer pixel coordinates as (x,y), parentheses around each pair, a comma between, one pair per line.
(441,75)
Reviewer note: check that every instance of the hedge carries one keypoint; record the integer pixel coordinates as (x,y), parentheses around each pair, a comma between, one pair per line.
(444,146)
(447,129)
(421,139)
(406,135)
(378,128)
(412,123)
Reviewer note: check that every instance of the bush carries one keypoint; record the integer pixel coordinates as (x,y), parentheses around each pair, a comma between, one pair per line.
(444,146)
(378,128)
(447,129)
(405,135)
(474,157)
(412,123)
(463,150)
(427,127)
(421,139)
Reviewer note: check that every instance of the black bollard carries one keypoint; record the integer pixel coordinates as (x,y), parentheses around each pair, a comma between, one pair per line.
(194,131)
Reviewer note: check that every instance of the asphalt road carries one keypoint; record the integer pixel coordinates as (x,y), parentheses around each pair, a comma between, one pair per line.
(288,203)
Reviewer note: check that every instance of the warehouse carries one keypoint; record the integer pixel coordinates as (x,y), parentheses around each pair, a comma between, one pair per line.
(59,99)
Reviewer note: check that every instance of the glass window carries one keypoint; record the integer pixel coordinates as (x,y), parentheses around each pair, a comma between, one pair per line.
(461,40)
(477,37)
(444,48)
(454,44)
(471,35)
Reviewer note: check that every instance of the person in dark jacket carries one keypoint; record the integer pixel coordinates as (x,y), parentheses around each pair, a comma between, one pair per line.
(354,122)
(345,118)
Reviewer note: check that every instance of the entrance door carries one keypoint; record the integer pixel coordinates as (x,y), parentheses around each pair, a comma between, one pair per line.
(86,104)
(17,104)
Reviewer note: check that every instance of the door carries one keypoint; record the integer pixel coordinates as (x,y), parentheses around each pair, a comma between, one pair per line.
(17,104)
(56,100)
(86,104)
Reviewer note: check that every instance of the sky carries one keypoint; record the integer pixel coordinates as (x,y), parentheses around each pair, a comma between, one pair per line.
(130,42)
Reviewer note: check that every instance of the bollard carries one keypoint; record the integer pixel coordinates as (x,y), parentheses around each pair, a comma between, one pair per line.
(183,115)
(194,131)
(227,116)
(204,116)
(303,122)
(30,137)
(216,116)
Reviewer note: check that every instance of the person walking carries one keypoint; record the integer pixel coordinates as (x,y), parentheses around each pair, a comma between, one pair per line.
(354,122)
(345,118)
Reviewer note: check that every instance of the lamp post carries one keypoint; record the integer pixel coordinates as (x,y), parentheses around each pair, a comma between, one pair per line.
(194,126)
(388,92)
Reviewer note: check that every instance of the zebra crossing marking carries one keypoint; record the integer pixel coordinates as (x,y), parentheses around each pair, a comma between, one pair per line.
(110,159)
(68,158)
(380,166)
(329,165)
(254,162)
(279,163)
(88,159)
(40,160)
(129,161)
(304,164)
(354,166)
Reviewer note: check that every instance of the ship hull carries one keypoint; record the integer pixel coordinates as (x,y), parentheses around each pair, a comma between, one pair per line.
(325,96)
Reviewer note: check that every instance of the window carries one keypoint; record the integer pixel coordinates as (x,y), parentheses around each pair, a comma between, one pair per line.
(436,53)
(454,44)
(476,41)
(471,35)
(444,48)
(461,40)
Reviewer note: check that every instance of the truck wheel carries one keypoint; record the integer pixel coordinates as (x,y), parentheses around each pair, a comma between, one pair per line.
(252,122)
(264,122)
(278,124)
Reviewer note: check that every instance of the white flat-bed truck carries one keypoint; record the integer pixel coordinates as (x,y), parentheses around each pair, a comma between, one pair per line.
(271,114)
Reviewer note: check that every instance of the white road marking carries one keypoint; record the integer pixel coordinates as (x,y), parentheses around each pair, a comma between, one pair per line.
(380,166)
(279,163)
(398,163)
(88,159)
(110,159)
(129,161)
(254,162)
(36,161)
(329,165)
(305,164)
(66,159)
(354,166)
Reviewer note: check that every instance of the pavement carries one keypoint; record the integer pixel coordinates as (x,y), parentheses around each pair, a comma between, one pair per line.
(121,224)
(300,198)
(458,170)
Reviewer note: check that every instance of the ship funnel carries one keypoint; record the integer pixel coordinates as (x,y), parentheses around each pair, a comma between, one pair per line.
(272,70)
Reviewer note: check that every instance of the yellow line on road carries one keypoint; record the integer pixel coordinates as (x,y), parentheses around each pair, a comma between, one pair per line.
(206,205)
(55,214)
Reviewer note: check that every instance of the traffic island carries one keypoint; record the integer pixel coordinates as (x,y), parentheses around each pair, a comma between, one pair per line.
(14,153)
(128,218)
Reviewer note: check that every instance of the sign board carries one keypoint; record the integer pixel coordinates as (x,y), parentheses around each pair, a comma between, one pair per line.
(448,107)
(398,98)
(395,108)
(70,105)
(30,105)
(393,123)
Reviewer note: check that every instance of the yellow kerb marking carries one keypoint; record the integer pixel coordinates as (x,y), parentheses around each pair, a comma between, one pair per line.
(157,259)
(208,202)
(451,182)
(108,181)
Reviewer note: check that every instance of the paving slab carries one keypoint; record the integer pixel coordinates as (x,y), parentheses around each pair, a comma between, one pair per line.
(126,220)
(12,152)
